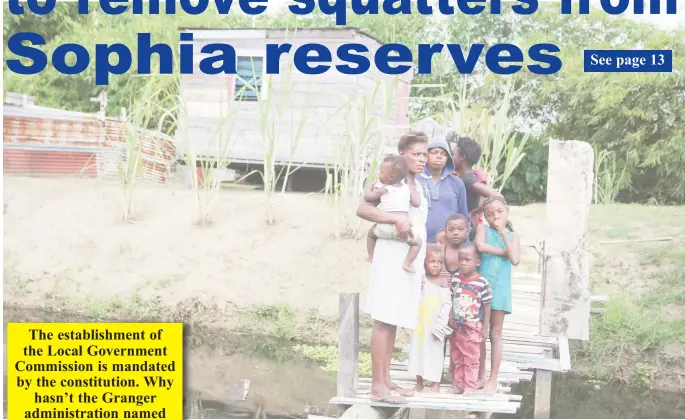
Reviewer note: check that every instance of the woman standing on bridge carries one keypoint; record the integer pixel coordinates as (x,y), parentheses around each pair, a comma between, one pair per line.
(394,294)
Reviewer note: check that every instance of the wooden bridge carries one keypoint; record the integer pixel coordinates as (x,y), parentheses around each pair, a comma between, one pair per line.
(527,355)
(549,307)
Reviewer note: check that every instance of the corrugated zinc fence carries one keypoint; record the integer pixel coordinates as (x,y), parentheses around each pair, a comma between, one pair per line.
(47,142)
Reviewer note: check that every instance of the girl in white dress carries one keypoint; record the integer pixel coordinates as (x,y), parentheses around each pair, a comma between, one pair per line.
(426,354)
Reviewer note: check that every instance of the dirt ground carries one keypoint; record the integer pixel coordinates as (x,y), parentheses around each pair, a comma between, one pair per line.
(65,245)
(66,237)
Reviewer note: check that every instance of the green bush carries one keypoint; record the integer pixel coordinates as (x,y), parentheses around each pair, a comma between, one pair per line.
(528,182)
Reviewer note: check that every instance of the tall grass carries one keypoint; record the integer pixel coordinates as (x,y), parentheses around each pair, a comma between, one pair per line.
(358,155)
(144,114)
(205,172)
(494,128)
(608,179)
(129,170)
(159,99)
(274,113)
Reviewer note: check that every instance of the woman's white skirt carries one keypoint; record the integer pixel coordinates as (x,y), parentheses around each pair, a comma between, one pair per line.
(394,294)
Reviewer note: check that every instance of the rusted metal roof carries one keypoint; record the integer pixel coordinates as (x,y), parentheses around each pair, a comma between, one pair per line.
(40,141)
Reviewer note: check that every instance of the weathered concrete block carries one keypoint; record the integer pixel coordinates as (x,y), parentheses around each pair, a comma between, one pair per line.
(566,299)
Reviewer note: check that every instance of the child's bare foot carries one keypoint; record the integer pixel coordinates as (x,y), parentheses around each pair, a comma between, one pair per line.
(408,268)
(418,387)
(490,388)
(435,387)
(457,390)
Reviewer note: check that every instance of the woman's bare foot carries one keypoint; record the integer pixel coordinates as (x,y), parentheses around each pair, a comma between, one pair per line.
(435,387)
(369,258)
(408,268)
(405,392)
(481,382)
(387,398)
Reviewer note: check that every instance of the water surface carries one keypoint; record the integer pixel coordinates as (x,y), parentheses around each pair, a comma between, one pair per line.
(283,383)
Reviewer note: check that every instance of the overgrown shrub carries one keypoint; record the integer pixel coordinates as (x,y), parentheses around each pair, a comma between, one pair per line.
(528,182)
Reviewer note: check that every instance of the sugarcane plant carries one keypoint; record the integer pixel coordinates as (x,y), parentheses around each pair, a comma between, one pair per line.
(360,150)
(144,127)
(275,111)
(495,129)
(205,172)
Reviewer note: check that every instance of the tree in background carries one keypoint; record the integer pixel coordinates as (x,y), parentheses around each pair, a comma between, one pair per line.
(635,119)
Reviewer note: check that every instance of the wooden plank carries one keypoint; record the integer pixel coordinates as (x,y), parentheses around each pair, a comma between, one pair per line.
(520,348)
(448,398)
(368,412)
(364,385)
(543,393)
(504,367)
(502,377)
(348,345)
(551,365)
(475,406)
(456,397)
(238,391)
(535,276)
(622,241)
(564,354)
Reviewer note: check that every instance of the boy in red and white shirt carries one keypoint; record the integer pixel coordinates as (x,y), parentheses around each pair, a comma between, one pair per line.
(470,318)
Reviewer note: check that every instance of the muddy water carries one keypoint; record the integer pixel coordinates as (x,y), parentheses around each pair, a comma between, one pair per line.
(283,383)
(574,397)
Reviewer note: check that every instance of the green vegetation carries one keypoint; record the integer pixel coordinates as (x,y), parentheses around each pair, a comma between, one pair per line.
(328,355)
(643,327)
(637,120)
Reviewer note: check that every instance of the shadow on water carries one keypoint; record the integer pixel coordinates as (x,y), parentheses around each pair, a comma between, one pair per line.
(283,383)
(574,397)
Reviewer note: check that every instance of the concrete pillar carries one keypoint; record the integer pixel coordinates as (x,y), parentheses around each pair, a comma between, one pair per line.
(430,127)
(565,295)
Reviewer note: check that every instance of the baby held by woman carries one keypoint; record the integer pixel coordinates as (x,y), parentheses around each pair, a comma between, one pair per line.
(395,197)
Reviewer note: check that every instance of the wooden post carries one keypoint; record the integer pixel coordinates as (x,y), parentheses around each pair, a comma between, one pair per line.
(348,345)
(102,100)
(566,298)
(542,259)
(543,394)
(192,405)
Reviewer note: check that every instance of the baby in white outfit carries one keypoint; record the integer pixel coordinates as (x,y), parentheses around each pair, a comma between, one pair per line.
(395,197)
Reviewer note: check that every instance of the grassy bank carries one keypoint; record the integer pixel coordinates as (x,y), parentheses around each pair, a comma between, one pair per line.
(640,338)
